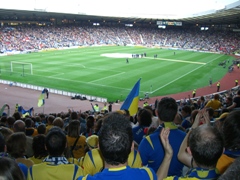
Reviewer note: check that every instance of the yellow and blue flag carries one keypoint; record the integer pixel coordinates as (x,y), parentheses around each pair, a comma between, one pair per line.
(25,112)
(131,102)
(41,99)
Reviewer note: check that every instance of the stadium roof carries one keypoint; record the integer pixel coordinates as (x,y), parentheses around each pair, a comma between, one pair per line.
(228,15)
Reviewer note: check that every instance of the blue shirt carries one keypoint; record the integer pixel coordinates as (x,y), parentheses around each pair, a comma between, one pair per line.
(123,173)
(198,173)
(152,151)
(138,133)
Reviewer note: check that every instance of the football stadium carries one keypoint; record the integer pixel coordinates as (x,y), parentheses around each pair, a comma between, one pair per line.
(119,90)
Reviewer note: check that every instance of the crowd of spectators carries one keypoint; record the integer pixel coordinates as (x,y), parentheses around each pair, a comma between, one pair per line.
(23,38)
(40,141)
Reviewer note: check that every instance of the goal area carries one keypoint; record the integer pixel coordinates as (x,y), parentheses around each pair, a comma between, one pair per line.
(21,67)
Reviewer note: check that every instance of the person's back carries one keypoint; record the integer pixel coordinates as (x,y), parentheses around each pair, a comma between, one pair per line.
(115,143)
(214,103)
(55,166)
(144,120)
(54,172)
(76,142)
(151,149)
(93,161)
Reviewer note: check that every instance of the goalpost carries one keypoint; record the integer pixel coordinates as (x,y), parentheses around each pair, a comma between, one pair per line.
(23,66)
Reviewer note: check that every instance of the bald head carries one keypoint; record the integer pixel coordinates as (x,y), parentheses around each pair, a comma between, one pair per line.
(206,145)
(19,126)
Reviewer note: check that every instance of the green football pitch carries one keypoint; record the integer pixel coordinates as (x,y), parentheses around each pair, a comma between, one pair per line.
(104,71)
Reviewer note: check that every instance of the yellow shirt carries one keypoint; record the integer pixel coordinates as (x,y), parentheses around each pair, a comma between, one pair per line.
(223,162)
(79,150)
(25,161)
(48,127)
(215,104)
(50,172)
(93,161)
(36,160)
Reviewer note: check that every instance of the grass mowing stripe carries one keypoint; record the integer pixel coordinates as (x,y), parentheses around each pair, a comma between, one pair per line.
(181,76)
(107,77)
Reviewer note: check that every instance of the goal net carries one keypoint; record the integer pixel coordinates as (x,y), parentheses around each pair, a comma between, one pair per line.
(21,67)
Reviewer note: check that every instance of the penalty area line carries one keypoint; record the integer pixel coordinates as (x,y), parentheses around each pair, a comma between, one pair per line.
(177,60)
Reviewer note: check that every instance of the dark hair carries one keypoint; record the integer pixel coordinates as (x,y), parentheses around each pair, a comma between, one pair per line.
(74,115)
(50,119)
(74,128)
(28,122)
(202,98)
(3,119)
(17,115)
(206,144)
(10,170)
(90,123)
(187,109)
(115,138)
(144,117)
(10,121)
(38,146)
(231,130)
(210,111)
(216,96)
(55,141)
(37,119)
(17,144)
(167,109)
(41,129)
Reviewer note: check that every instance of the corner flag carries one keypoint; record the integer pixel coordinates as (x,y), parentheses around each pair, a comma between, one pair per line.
(131,102)
(41,99)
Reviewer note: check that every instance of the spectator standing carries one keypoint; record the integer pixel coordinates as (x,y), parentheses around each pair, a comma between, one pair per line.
(115,143)
(218,86)
(76,142)
(200,150)
(39,150)
(214,103)
(16,148)
(55,166)
(151,149)
(186,114)
(144,118)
